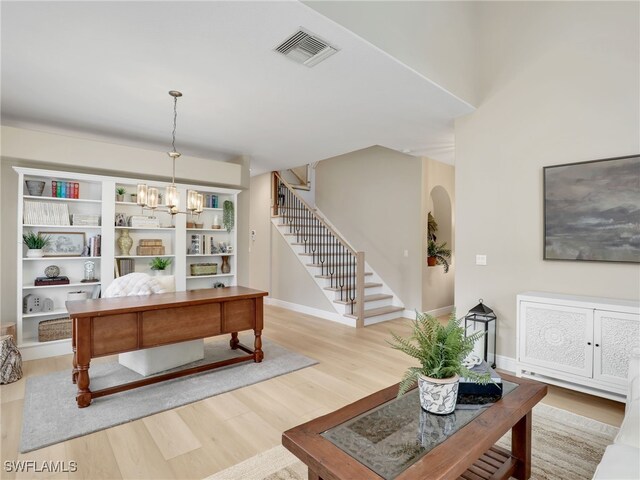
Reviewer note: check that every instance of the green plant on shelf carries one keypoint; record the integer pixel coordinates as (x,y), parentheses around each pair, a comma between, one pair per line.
(121,190)
(159,263)
(36,241)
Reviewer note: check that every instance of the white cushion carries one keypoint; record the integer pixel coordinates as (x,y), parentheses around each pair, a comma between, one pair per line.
(620,462)
(133,284)
(629,433)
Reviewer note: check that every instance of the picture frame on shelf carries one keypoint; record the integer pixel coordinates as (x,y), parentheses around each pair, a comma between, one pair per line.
(64,244)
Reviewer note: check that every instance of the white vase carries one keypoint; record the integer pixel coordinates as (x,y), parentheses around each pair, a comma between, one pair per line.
(35,253)
(438,395)
(159,273)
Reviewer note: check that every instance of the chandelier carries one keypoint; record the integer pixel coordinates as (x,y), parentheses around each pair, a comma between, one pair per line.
(148,196)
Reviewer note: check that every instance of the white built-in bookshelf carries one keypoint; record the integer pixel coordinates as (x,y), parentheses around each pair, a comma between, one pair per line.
(96,197)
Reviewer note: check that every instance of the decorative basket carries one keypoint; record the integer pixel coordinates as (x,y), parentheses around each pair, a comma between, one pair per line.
(35,187)
(54,329)
(204,269)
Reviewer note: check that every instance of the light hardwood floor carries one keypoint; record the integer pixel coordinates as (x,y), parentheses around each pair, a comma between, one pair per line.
(202,438)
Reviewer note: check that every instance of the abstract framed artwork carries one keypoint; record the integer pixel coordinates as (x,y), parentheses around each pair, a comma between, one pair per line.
(592,210)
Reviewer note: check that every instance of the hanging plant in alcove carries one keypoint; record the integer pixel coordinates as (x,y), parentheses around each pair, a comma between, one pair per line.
(228,217)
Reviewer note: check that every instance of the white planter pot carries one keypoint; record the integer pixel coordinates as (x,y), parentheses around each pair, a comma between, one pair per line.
(35,253)
(159,273)
(437,395)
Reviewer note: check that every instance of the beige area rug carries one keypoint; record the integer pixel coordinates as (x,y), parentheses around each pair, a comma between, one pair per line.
(565,446)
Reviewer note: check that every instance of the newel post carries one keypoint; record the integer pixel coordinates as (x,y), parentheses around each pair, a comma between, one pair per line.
(360,289)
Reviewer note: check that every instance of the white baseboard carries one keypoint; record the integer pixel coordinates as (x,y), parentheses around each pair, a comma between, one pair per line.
(506,363)
(411,314)
(316,312)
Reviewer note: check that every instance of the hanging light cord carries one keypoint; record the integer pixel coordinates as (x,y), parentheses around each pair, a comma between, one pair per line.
(173,138)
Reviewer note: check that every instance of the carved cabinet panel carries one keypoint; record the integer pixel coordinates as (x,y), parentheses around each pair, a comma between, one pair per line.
(557,337)
(616,334)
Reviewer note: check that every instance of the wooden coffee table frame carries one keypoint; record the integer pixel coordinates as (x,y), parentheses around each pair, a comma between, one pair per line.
(470,453)
(110,326)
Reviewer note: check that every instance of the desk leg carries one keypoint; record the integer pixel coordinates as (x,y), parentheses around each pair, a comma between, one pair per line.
(258,355)
(521,446)
(313,475)
(74,371)
(233,343)
(83,360)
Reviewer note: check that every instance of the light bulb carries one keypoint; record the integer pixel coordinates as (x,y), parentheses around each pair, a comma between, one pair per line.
(142,194)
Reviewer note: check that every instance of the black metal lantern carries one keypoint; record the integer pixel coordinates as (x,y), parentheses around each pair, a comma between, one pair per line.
(487,319)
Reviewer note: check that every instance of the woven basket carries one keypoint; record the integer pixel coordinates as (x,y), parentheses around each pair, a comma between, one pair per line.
(54,329)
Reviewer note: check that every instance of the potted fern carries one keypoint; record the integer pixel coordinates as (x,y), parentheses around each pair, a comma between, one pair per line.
(35,243)
(440,349)
(438,254)
(159,265)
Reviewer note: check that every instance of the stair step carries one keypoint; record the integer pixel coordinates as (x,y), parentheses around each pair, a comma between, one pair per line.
(329,277)
(366,285)
(368,298)
(374,312)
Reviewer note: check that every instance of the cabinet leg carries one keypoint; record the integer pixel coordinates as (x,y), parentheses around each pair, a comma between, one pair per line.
(233,343)
(258,354)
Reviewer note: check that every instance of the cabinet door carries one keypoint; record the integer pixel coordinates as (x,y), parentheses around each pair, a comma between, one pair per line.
(615,336)
(557,337)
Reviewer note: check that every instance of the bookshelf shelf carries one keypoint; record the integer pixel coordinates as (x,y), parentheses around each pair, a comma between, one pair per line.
(144,256)
(66,227)
(210,255)
(51,259)
(216,230)
(191,277)
(76,284)
(61,199)
(146,228)
(57,311)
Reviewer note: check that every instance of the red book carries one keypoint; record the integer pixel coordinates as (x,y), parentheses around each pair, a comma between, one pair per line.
(76,190)
(54,188)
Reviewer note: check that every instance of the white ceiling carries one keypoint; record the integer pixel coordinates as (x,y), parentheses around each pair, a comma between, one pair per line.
(103,69)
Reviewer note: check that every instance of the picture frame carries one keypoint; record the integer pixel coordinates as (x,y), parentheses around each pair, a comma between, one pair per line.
(64,244)
(592,210)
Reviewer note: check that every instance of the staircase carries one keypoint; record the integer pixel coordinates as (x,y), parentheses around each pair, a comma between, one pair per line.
(339,270)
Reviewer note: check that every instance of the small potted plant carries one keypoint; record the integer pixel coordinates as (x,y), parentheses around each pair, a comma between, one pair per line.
(440,349)
(120,193)
(159,265)
(438,254)
(228,219)
(35,243)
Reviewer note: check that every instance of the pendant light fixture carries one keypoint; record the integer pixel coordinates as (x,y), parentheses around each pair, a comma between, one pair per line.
(148,196)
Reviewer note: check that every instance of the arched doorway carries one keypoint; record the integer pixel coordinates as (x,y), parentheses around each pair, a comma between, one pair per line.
(438,287)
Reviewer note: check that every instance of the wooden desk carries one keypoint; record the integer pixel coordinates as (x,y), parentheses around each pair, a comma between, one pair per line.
(108,326)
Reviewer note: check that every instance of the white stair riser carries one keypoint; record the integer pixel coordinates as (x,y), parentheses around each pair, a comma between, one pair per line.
(368,305)
(383,318)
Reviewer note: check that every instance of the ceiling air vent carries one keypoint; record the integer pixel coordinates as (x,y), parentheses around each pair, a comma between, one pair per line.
(304,47)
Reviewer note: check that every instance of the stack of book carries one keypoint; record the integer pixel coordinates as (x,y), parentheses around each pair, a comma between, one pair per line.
(211,201)
(43,213)
(150,246)
(47,281)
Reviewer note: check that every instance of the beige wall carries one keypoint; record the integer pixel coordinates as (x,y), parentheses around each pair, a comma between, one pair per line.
(43,150)
(436,38)
(374,198)
(78,154)
(561,85)
(260,222)
(438,184)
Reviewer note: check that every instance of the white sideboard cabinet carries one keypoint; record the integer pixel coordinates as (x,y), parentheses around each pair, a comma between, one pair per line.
(578,342)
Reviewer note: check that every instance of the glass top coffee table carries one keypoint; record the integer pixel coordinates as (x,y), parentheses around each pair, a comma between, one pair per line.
(384,437)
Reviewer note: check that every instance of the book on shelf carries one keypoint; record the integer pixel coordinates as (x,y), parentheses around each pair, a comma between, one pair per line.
(95,246)
(46,281)
(124,266)
(65,189)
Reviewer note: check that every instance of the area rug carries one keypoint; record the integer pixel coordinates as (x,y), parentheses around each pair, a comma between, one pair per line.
(50,413)
(564,446)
